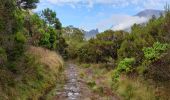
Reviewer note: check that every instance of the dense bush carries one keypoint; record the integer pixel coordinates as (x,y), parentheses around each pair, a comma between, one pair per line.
(154,53)
(74,38)
(124,66)
(44,40)
(159,70)
(102,48)
(20,38)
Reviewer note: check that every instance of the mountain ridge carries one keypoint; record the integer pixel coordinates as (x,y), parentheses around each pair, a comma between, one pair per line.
(149,13)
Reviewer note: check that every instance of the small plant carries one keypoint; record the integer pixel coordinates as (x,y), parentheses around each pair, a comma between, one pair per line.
(123,66)
(98,89)
(82,74)
(20,38)
(85,65)
(91,84)
(95,88)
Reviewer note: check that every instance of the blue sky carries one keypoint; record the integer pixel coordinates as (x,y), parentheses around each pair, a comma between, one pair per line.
(102,14)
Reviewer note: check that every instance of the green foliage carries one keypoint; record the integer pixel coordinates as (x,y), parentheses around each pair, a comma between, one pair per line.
(34,26)
(124,66)
(52,38)
(22,76)
(103,47)
(20,38)
(74,37)
(158,70)
(72,34)
(19,17)
(44,41)
(50,18)
(33,78)
(153,53)
(133,44)
(86,65)
(91,84)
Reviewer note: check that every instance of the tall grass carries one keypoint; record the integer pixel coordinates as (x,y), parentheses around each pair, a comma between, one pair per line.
(37,72)
(51,59)
(134,89)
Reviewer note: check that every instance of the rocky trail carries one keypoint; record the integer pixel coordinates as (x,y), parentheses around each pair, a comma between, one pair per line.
(72,87)
(76,88)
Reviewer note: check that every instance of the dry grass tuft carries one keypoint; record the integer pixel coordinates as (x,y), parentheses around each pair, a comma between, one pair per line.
(49,58)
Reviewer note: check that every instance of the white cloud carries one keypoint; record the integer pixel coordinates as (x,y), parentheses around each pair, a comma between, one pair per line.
(129,21)
(114,3)
(120,22)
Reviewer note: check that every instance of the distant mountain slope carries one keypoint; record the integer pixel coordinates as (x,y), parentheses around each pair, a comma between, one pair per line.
(149,13)
(91,33)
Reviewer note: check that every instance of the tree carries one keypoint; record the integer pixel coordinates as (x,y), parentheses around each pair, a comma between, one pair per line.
(50,18)
(75,39)
(27,4)
(102,48)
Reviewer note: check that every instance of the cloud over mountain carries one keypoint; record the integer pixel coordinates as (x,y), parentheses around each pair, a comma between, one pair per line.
(128,21)
(101,14)
(124,22)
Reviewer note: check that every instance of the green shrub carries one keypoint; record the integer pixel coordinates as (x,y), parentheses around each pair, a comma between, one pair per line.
(20,38)
(44,41)
(154,52)
(82,74)
(124,66)
(85,65)
(91,83)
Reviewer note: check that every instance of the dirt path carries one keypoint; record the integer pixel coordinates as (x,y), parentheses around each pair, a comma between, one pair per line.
(76,88)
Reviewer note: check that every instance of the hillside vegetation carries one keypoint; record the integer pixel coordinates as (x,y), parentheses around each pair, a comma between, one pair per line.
(29,64)
(37,72)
